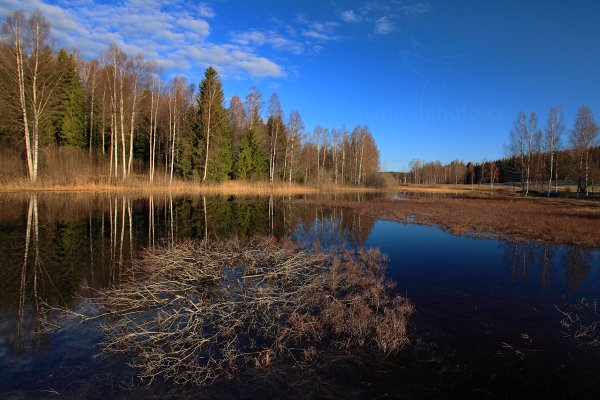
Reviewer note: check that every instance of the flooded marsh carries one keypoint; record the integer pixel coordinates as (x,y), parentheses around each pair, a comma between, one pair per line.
(492,317)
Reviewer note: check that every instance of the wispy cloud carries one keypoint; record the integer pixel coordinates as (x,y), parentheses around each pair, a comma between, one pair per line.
(385,16)
(270,38)
(321,31)
(350,16)
(413,9)
(301,36)
(175,35)
(384,25)
(206,11)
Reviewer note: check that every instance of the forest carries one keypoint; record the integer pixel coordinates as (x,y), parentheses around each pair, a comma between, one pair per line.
(535,158)
(65,119)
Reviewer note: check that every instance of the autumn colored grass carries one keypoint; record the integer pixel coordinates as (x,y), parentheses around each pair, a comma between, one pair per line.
(142,186)
(485,190)
(561,221)
(458,189)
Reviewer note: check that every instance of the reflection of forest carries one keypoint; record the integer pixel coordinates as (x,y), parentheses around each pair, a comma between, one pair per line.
(526,260)
(55,246)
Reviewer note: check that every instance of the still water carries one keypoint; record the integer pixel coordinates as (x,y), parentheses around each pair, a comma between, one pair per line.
(488,319)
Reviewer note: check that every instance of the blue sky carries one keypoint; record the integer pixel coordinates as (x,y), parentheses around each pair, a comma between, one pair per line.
(432,79)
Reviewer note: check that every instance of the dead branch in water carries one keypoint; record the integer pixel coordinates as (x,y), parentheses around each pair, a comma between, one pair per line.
(581,322)
(199,311)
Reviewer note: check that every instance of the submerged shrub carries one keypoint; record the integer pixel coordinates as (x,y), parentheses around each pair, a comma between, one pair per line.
(199,311)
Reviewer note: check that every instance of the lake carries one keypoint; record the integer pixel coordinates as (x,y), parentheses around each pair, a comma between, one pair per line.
(487,321)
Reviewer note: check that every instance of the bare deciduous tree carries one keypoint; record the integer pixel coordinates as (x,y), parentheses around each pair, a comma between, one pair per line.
(276,118)
(583,137)
(554,131)
(31,72)
(295,128)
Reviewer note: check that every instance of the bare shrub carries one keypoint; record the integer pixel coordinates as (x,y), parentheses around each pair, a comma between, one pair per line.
(581,322)
(198,311)
(376,180)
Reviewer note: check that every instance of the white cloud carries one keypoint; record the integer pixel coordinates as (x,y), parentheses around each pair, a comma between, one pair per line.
(350,16)
(197,25)
(174,35)
(384,25)
(233,60)
(206,11)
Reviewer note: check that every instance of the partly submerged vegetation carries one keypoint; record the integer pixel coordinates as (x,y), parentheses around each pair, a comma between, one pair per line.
(548,220)
(198,311)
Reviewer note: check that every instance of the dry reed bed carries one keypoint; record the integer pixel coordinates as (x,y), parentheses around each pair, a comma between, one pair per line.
(200,311)
(554,221)
(142,186)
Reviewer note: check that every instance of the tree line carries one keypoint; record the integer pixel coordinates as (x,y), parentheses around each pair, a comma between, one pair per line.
(130,120)
(536,157)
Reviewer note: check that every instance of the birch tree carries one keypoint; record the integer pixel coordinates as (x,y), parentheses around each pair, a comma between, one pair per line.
(274,125)
(518,149)
(254,105)
(295,128)
(179,100)
(30,70)
(136,71)
(155,89)
(238,122)
(554,131)
(583,137)
(335,138)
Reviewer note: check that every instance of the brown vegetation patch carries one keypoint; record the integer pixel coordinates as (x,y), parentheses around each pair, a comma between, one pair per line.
(199,311)
(547,220)
(140,185)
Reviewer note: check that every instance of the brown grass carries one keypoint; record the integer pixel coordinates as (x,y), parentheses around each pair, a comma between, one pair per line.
(457,189)
(484,190)
(200,311)
(548,220)
(140,185)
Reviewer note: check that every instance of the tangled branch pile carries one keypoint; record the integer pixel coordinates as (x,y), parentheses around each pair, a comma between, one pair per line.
(199,311)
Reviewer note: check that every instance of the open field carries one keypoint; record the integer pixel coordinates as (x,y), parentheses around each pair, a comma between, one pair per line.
(560,221)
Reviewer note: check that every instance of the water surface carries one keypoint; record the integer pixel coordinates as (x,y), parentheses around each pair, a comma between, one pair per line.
(486,325)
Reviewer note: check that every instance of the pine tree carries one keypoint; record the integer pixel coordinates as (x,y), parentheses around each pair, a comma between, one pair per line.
(68,122)
(213,128)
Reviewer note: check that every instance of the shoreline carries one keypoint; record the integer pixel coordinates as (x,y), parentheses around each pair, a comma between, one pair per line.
(179,187)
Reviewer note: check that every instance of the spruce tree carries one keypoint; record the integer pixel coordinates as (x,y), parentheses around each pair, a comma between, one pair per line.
(68,122)
(251,162)
(213,128)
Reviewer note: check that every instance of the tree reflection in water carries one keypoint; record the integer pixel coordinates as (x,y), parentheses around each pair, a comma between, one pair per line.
(522,259)
(59,245)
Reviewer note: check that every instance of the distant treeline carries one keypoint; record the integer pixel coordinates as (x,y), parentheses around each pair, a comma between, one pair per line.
(121,113)
(534,157)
